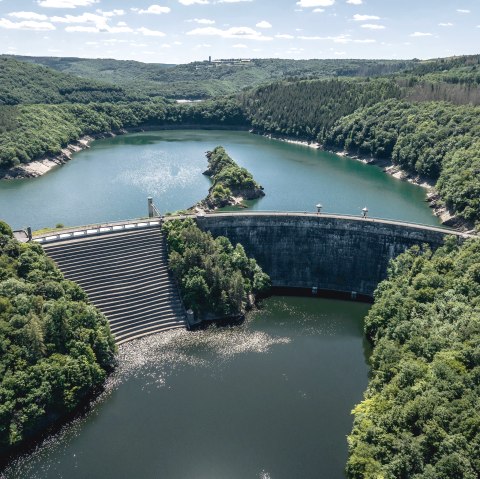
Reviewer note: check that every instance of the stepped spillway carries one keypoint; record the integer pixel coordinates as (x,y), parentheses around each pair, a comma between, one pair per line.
(126,277)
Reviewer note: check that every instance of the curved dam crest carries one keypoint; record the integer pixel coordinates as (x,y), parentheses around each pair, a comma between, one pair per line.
(329,252)
(123,267)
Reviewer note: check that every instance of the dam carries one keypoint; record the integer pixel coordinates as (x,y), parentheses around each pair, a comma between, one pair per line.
(123,266)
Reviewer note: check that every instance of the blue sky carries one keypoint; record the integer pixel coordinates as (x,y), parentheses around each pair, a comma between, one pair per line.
(179,31)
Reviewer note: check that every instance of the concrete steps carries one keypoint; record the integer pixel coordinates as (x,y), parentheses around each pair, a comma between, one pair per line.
(126,276)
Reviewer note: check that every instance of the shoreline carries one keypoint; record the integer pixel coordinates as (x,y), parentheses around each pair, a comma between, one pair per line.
(44,164)
(432,197)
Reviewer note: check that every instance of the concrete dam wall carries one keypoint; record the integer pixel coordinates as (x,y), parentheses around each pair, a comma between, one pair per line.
(328,252)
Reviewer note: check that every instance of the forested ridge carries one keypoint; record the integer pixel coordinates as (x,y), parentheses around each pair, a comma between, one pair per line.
(22,82)
(202,79)
(55,348)
(420,417)
(306,109)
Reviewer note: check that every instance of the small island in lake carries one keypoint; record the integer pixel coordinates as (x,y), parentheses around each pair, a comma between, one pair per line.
(232,184)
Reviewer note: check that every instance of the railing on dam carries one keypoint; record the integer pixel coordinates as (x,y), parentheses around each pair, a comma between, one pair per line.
(125,225)
(96,230)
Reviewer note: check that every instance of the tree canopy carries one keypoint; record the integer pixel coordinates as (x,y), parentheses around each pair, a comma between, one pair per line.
(214,276)
(420,418)
(55,347)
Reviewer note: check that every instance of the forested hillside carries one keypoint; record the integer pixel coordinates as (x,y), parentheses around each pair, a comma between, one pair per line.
(420,418)
(29,132)
(22,82)
(307,109)
(55,348)
(206,80)
(435,139)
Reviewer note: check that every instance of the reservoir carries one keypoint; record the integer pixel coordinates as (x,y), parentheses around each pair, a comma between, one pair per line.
(111,181)
(267,399)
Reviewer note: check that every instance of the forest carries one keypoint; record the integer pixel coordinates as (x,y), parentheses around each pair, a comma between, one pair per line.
(22,82)
(202,79)
(419,418)
(215,277)
(56,349)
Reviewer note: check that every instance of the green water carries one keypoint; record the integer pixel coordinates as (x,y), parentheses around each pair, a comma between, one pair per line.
(268,399)
(111,180)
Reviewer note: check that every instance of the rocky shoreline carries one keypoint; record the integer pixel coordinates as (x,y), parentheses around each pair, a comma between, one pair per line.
(39,167)
(432,197)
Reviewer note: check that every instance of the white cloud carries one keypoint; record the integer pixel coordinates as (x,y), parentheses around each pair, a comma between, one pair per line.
(372,26)
(315,3)
(340,53)
(245,33)
(420,34)
(344,38)
(121,24)
(99,23)
(363,18)
(28,16)
(239,45)
(461,10)
(156,9)
(445,24)
(203,21)
(66,3)
(113,13)
(193,2)
(284,35)
(263,24)
(318,10)
(355,2)
(150,33)
(83,29)
(26,25)
(366,40)
(233,1)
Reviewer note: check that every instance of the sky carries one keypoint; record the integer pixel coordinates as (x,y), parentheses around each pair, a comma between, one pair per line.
(181,31)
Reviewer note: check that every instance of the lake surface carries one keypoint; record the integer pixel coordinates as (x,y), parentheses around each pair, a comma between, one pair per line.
(111,181)
(269,399)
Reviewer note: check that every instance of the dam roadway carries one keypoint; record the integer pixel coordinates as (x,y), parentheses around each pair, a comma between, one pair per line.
(123,266)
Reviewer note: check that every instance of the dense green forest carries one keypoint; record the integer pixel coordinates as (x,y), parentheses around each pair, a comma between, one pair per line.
(435,139)
(207,80)
(420,416)
(215,278)
(28,132)
(229,180)
(307,109)
(55,348)
(22,82)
